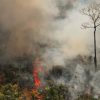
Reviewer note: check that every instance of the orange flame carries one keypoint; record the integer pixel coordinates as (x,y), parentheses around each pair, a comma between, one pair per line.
(37,82)
(37,95)
(37,69)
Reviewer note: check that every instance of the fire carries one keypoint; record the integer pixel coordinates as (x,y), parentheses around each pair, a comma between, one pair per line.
(37,95)
(37,82)
(36,71)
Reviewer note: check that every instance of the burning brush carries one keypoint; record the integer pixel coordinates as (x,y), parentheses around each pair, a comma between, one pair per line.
(37,89)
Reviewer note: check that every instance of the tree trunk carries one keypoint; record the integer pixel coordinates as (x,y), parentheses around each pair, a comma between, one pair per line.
(95,52)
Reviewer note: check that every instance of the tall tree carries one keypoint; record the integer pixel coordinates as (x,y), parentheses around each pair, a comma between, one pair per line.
(93,13)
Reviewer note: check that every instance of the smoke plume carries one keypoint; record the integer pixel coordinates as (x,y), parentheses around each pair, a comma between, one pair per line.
(39,27)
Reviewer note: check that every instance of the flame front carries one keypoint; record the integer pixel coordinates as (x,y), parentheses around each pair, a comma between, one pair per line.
(37,81)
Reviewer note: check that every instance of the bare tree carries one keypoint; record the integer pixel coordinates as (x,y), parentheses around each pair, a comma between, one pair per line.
(93,13)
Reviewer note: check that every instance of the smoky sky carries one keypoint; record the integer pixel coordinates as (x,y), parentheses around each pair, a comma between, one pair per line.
(41,27)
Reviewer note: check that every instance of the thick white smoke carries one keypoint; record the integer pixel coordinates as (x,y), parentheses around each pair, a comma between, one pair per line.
(35,26)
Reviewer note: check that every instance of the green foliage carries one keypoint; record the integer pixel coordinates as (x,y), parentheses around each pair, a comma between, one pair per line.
(86,97)
(53,92)
(50,92)
(9,92)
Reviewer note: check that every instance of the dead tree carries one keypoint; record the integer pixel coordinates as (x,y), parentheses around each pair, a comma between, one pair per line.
(93,13)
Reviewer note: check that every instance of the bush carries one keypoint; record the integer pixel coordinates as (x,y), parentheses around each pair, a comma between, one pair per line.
(52,92)
(9,92)
(86,97)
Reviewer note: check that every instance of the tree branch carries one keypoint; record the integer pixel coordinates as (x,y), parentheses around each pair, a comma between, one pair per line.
(98,25)
(86,26)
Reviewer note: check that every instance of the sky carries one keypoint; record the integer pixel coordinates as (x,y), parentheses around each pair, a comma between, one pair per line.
(44,27)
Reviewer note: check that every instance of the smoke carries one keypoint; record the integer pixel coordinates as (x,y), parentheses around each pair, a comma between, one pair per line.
(34,26)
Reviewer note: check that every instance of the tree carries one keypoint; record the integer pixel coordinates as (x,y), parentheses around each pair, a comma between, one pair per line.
(93,13)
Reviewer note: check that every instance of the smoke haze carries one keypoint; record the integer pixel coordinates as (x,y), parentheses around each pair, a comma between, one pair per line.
(32,26)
